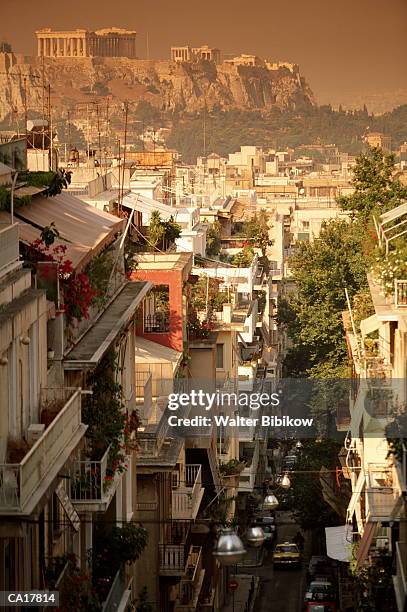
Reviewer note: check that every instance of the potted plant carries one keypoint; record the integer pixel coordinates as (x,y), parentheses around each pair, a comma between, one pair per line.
(230,471)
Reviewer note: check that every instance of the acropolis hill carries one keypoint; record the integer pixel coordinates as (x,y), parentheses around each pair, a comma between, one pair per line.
(245,82)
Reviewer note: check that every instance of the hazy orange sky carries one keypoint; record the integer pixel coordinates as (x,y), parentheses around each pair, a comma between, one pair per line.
(345,48)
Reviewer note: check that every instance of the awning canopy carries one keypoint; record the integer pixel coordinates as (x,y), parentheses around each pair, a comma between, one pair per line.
(146,205)
(369,325)
(77,222)
(27,233)
(100,336)
(364,545)
(339,542)
(148,352)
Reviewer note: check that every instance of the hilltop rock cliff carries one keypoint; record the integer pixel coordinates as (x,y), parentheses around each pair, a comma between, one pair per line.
(168,85)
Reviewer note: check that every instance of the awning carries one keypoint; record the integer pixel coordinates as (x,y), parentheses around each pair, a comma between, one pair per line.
(147,205)
(369,325)
(148,353)
(27,233)
(339,542)
(77,222)
(98,339)
(355,496)
(364,545)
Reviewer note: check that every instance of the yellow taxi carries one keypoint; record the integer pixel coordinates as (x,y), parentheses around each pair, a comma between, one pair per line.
(287,554)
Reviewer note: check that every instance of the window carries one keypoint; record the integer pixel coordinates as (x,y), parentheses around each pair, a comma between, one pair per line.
(219,357)
(305,224)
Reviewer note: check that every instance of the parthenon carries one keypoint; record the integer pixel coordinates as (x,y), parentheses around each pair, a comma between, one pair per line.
(110,42)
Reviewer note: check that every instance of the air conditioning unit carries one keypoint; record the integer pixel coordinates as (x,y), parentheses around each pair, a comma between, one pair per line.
(34,432)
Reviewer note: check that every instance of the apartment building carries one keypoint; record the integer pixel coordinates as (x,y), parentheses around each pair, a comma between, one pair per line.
(377,509)
(73,345)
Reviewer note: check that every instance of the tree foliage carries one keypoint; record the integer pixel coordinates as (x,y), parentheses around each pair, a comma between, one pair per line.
(321,271)
(213,242)
(258,229)
(376,189)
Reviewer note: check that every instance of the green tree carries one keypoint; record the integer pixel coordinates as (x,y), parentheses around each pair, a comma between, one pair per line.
(321,271)
(308,504)
(213,242)
(143,604)
(156,230)
(376,189)
(148,114)
(172,231)
(244,258)
(259,230)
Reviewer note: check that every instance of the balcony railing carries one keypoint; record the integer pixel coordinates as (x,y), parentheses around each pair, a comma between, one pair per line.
(89,481)
(9,247)
(400,293)
(119,593)
(159,322)
(190,586)
(172,559)
(187,498)
(21,483)
(381,493)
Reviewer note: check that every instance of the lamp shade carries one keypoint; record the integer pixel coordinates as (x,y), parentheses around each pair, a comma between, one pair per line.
(255,536)
(229,548)
(285,482)
(270,502)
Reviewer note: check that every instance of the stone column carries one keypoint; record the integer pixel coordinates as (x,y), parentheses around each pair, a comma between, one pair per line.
(38,46)
(65,47)
(85,47)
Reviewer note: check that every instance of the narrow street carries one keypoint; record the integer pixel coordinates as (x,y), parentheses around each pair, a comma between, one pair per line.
(282,590)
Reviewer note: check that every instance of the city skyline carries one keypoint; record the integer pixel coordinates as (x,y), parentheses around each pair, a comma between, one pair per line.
(370,36)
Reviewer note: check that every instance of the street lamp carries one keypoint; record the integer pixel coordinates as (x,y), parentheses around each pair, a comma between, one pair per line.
(285,482)
(229,549)
(255,536)
(270,502)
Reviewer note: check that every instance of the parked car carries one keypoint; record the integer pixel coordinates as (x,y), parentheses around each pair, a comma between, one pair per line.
(320,590)
(268,524)
(287,554)
(321,606)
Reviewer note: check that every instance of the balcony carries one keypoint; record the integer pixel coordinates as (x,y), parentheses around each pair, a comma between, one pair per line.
(172,559)
(382,495)
(250,454)
(23,484)
(91,488)
(187,498)
(400,579)
(9,248)
(191,585)
(119,594)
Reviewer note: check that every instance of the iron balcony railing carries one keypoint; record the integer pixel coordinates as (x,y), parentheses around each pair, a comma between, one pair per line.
(400,293)
(159,322)
(89,480)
